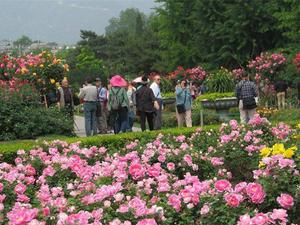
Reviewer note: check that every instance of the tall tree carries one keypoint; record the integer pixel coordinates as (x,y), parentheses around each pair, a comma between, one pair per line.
(217,32)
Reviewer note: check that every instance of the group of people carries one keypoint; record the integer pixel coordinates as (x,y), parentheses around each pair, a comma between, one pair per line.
(115,107)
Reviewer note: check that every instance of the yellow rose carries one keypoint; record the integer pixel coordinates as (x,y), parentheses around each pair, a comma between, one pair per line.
(278,149)
(261,164)
(265,152)
(52,81)
(298,125)
(24,70)
(288,153)
(34,74)
(42,65)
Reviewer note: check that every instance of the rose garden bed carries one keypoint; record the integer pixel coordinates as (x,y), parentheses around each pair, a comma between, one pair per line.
(235,175)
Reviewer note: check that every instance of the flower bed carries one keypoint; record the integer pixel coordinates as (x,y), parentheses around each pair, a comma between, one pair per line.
(237,175)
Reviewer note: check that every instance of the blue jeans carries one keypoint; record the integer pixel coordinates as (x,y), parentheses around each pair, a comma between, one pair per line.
(130,120)
(90,109)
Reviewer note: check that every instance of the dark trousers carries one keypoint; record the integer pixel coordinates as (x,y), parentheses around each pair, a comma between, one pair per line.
(90,118)
(119,120)
(150,118)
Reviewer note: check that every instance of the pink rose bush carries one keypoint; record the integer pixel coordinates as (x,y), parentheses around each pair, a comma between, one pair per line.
(208,177)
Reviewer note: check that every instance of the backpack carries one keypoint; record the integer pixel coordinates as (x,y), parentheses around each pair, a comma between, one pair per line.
(116,102)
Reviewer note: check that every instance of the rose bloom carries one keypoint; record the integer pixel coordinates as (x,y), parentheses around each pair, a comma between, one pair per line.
(136,170)
(244,220)
(233,200)
(222,185)
(260,219)
(205,209)
(279,214)
(188,159)
(285,200)
(154,170)
(20,188)
(255,192)
(147,222)
(171,166)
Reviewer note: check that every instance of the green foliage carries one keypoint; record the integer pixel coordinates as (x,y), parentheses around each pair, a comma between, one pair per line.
(214,96)
(22,116)
(113,142)
(217,32)
(169,95)
(220,81)
(285,115)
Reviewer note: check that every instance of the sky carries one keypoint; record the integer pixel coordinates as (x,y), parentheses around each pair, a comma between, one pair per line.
(61,20)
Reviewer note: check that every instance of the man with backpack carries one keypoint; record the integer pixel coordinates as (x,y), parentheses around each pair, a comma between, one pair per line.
(118,104)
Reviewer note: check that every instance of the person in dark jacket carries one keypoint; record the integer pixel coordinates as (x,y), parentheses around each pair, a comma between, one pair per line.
(65,98)
(146,104)
(281,88)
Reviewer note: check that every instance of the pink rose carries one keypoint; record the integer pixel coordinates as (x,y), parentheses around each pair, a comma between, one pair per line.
(244,220)
(137,171)
(147,222)
(240,187)
(255,192)
(175,202)
(46,212)
(188,159)
(171,166)
(20,188)
(285,200)
(260,219)
(233,200)
(205,209)
(222,185)
(154,171)
(216,161)
(279,214)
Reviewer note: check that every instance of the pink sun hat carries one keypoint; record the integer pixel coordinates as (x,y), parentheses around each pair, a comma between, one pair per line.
(118,81)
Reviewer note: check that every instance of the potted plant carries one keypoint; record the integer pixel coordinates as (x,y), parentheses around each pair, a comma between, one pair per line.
(220,85)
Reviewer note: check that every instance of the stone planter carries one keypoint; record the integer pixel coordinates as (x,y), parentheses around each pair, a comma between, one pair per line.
(221,105)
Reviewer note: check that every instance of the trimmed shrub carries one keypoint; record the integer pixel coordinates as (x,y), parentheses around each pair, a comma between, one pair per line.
(22,116)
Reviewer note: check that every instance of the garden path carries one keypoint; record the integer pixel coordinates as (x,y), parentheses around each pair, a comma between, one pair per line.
(79,126)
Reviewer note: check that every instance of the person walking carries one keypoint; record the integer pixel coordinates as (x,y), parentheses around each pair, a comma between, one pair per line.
(89,96)
(65,98)
(155,86)
(118,104)
(183,104)
(132,103)
(281,90)
(102,98)
(246,93)
(146,104)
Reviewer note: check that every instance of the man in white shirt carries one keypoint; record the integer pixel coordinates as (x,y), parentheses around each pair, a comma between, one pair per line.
(157,94)
(89,96)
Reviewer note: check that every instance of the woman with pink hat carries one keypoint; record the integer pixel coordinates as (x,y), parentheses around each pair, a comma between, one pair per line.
(118,104)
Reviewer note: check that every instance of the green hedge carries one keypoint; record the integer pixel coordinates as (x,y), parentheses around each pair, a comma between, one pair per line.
(113,142)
